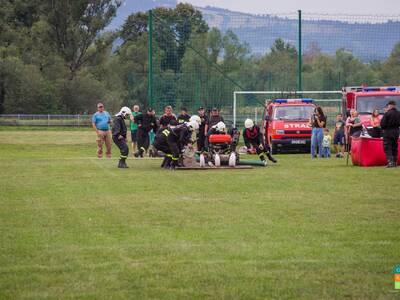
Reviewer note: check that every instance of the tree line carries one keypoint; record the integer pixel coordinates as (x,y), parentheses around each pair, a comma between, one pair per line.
(57,57)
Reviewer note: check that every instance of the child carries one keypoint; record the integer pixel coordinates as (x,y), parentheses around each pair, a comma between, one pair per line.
(338,136)
(326,144)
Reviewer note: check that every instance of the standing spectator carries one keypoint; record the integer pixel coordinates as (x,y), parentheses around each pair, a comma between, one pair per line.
(134,126)
(168,118)
(326,144)
(376,124)
(101,121)
(184,116)
(390,124)
(146,122)
(318,123)
(201,135)
(353,127)
(338,136)
(119,135)
(214,119)
(354,124)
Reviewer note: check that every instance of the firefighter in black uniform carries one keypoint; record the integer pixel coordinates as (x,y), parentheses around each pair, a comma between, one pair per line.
(184,116)
(171,141)
(119,135)
(201,136)
(390,124)
(252,136)
(146,122)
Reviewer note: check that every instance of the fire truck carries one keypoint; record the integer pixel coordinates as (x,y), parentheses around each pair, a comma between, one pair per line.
(366,99)
(286,124)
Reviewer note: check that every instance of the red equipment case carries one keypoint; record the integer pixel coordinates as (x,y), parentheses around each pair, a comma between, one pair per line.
(368,152)
(220,138)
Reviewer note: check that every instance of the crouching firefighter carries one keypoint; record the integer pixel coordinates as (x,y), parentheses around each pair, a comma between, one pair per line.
(119,135)
(253,137)
(171,141)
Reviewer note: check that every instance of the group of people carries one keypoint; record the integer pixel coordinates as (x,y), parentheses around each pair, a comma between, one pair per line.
(170,133)
(386,127)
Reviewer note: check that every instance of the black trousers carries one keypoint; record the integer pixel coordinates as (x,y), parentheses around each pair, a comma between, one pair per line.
(390,146)
(162,146)
(143,140)
(123,147)
(201,142)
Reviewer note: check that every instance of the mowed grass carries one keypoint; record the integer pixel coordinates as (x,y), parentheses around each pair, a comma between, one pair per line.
(75,227)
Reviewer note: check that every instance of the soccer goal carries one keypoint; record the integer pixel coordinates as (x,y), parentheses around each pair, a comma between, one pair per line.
(247,104)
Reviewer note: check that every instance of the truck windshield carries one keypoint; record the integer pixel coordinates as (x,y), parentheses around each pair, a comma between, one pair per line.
(295,112)
(366,104)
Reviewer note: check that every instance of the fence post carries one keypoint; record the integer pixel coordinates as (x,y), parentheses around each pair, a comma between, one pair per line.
(234,109)
(150,58)
(48,120)
(299,83)
(78,120)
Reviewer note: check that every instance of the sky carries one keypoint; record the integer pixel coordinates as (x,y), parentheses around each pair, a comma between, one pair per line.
(359,7)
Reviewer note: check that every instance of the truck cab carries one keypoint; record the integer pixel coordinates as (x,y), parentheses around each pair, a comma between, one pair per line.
(286,124)
(366,99)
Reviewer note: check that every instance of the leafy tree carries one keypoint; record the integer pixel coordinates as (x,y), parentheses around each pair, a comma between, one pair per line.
(391,67)
(75,27)
(281,65)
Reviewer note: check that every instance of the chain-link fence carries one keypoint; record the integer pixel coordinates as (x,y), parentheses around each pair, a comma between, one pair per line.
(200,60)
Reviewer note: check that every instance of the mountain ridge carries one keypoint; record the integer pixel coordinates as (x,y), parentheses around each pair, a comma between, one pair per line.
(368,40)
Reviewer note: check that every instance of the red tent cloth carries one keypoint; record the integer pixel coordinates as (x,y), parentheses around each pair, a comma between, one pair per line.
(368,152)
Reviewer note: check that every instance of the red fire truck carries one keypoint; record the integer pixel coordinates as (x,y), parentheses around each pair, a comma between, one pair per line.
(366,99)
(286,124)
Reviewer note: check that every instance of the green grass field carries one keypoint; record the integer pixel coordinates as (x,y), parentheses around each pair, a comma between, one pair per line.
(75,227)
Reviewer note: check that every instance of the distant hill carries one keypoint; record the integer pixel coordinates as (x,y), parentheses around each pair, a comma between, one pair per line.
(368,40)
(129,7)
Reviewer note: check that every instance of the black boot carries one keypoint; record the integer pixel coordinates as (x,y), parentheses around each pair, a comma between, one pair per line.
(390,163)
(166,162)
(271,158)
(120,163)
(173,164)
(141,151)
(262,158)
(123,164)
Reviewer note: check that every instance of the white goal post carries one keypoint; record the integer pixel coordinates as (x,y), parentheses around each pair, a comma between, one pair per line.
(235,93)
